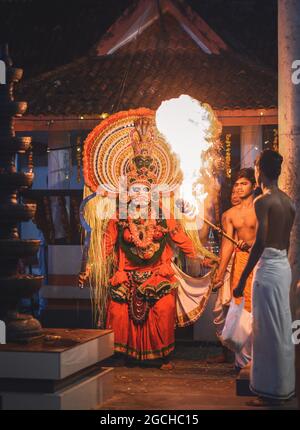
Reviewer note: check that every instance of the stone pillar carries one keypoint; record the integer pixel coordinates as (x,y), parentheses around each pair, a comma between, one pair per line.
(251,144)
(14,285)
(289,129)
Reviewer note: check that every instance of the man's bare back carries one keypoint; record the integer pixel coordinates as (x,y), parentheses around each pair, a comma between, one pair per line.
(275,213)
(280,217)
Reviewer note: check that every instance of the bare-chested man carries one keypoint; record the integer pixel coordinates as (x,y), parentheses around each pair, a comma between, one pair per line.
(240,223)
(273,367)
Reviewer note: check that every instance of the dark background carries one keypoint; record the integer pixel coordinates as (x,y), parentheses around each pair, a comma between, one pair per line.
(44,34)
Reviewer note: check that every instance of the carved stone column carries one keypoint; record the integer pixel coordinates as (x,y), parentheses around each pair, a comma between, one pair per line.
(13,285)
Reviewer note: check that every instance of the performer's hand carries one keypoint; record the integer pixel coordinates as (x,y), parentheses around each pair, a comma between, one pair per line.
(243,245)
(180,204)
(185,207)
(208,262)
(82,277)
(239,290)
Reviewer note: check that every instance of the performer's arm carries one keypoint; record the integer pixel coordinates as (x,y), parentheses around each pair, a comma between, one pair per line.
(181,239)
(261,210)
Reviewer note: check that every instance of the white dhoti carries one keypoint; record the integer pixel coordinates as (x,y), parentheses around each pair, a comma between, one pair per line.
(273,366)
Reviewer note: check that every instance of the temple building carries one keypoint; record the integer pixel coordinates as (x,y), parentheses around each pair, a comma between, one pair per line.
(148,55)
(153,52)
(99,303)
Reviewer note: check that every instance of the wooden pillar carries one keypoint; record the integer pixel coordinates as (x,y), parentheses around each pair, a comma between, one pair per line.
(289,131)
(251,144)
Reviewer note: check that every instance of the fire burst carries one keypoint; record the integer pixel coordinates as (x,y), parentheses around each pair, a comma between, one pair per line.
(192,129)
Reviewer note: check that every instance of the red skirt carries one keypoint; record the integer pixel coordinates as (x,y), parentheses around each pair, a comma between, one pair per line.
(155,338)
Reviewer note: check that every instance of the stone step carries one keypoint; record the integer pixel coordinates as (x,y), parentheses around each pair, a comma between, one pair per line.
(87,393)
(55,360)
(58,372)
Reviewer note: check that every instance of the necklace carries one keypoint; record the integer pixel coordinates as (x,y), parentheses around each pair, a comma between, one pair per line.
(142,232)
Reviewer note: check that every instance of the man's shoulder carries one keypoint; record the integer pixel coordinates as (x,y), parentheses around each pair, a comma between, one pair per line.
(286,196)
(287,200)
(262,203)
(230,212)
(262,199)
(269,199)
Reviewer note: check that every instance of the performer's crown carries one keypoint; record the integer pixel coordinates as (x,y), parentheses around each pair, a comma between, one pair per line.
(142,168)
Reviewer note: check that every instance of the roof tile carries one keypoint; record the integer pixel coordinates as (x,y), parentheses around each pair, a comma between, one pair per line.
(138,75)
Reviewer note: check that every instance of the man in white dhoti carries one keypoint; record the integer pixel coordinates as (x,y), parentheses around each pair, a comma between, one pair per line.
(273,366)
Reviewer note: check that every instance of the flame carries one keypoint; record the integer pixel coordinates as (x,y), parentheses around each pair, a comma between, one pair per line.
(191,128)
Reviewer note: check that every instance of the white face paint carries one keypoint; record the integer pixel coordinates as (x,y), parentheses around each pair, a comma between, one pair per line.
(139,195)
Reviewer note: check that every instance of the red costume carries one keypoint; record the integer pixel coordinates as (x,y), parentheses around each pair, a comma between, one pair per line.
(141,308)
(141,304)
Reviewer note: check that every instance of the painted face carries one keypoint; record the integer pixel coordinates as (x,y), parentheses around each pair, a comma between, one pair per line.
(244,188)
(139,194)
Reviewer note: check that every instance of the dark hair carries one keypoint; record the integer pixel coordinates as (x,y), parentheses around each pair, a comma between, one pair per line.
(247,173)
(269,163)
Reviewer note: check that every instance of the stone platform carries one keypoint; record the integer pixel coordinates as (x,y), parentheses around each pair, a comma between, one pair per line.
(60,371)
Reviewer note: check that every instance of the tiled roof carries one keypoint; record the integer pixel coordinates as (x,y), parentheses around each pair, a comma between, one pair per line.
(154,67)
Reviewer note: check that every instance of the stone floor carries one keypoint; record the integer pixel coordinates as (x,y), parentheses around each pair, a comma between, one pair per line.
(192,385)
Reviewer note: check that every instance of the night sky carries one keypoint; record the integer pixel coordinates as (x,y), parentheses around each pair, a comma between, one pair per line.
(44,34)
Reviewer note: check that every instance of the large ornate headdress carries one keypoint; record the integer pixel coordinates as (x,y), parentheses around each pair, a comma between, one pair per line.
(128,144)
(142,168)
